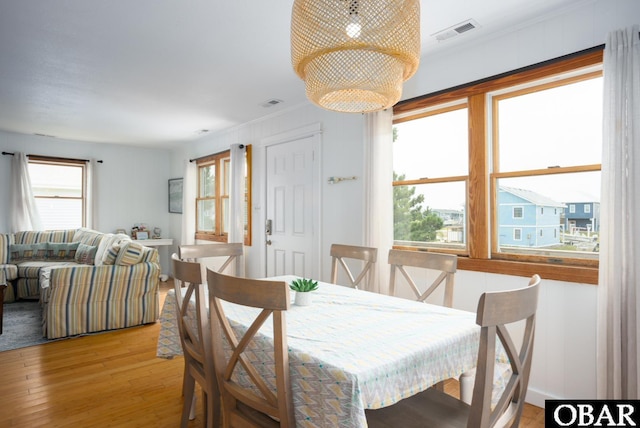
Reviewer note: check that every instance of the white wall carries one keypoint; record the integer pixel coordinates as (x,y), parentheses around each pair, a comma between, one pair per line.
(341,148)
(564,357)
(132,181)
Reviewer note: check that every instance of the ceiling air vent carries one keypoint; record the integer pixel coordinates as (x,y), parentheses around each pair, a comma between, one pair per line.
(271,103)
(455,30)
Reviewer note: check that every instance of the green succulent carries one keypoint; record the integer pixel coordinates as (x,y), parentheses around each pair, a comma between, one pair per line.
(303,285)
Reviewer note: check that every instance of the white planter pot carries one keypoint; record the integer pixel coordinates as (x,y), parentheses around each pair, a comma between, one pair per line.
(303,298)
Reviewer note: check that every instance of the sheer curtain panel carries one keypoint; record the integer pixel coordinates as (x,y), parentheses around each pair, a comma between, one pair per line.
(92,186)
(379,192)
(24,212)
(618,299)
(189,190)
(237,188)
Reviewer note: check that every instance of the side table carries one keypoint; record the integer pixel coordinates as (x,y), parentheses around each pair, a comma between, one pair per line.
(156,242)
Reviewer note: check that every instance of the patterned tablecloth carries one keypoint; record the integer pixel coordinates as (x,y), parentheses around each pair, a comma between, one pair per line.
(353,350)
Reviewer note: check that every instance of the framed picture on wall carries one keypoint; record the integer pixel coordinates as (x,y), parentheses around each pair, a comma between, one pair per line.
(175,195)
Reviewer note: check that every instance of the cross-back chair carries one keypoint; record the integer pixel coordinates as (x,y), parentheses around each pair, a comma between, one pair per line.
(242,405)
(233,251)
(196,342)
(369,255)
(445,263)
(434,408)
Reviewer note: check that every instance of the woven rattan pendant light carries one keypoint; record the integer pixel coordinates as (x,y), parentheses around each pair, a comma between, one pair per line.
(354,55)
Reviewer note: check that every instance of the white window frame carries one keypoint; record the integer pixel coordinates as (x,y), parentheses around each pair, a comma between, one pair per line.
(63,162)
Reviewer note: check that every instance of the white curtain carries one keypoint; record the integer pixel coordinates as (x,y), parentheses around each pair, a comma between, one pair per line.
(619,280)
(379,192)
(24,212)
(237,199)
(189,190)
(92,186)
(236,193)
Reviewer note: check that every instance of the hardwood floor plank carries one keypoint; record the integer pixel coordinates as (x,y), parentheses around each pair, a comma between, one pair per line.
(110,379)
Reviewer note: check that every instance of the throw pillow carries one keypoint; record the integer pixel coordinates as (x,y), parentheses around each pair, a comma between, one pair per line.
(86,254)
(108,240)
(110,256)
(130,254)
(62,250)
(27,252)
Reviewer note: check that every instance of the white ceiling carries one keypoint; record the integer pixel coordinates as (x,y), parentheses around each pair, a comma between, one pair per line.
(158,72)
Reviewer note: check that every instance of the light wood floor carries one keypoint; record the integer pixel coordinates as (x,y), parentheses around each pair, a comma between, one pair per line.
(107,380)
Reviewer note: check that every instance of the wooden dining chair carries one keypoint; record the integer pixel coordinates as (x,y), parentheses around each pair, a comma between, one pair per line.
(369,255)
(434,408)
(255,404)
(446,264)
(232,251)
(196,342)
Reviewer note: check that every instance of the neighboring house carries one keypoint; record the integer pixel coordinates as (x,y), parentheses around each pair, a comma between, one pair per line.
(453,227)
(582,217)
(528,219)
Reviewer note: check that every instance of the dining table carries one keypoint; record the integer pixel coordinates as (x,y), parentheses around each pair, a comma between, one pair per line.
(352,350)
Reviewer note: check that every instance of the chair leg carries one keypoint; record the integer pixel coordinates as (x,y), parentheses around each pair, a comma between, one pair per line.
(189,401)
(467,380)
(212,410)
(192,411)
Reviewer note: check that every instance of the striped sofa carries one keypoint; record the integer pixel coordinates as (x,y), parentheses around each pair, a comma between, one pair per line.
(86,281)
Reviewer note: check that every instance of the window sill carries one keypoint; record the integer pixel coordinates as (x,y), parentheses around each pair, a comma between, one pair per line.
(579,274)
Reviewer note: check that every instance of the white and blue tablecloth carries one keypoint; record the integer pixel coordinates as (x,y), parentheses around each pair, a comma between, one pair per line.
(352,350)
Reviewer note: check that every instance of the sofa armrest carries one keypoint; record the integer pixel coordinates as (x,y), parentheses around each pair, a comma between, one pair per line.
(83,299)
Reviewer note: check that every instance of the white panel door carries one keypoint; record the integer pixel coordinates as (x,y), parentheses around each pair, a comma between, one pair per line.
(291,248)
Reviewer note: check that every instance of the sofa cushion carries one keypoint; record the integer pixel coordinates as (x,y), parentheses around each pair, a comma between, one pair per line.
(62,250)
(87,236)
(32,269)
(33,236)
(130,254)
(23,252)
(110,256)
(86,254)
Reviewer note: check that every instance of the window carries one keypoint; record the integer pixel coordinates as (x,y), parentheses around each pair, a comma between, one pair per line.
(212,201)
(430,165)
(481,170)
(517,234)
(587,208)
(58,186)
(518,212)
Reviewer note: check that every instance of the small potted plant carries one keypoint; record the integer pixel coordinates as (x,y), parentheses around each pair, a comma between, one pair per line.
(303,288)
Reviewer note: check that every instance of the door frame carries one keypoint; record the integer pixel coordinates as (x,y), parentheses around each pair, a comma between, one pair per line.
(315,132)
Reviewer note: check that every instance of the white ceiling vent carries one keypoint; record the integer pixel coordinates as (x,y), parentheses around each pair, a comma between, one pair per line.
(271,102)
(455,30)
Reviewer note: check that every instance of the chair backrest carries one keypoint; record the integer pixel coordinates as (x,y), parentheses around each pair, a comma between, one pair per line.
(445,263)
(195,337)
(242,405)
(233,252)
(368,255)
(495,310)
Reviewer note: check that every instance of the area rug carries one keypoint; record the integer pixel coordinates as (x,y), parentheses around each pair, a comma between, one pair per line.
(22,325)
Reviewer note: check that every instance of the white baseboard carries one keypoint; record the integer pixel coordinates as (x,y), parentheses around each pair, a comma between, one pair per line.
(537,397)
